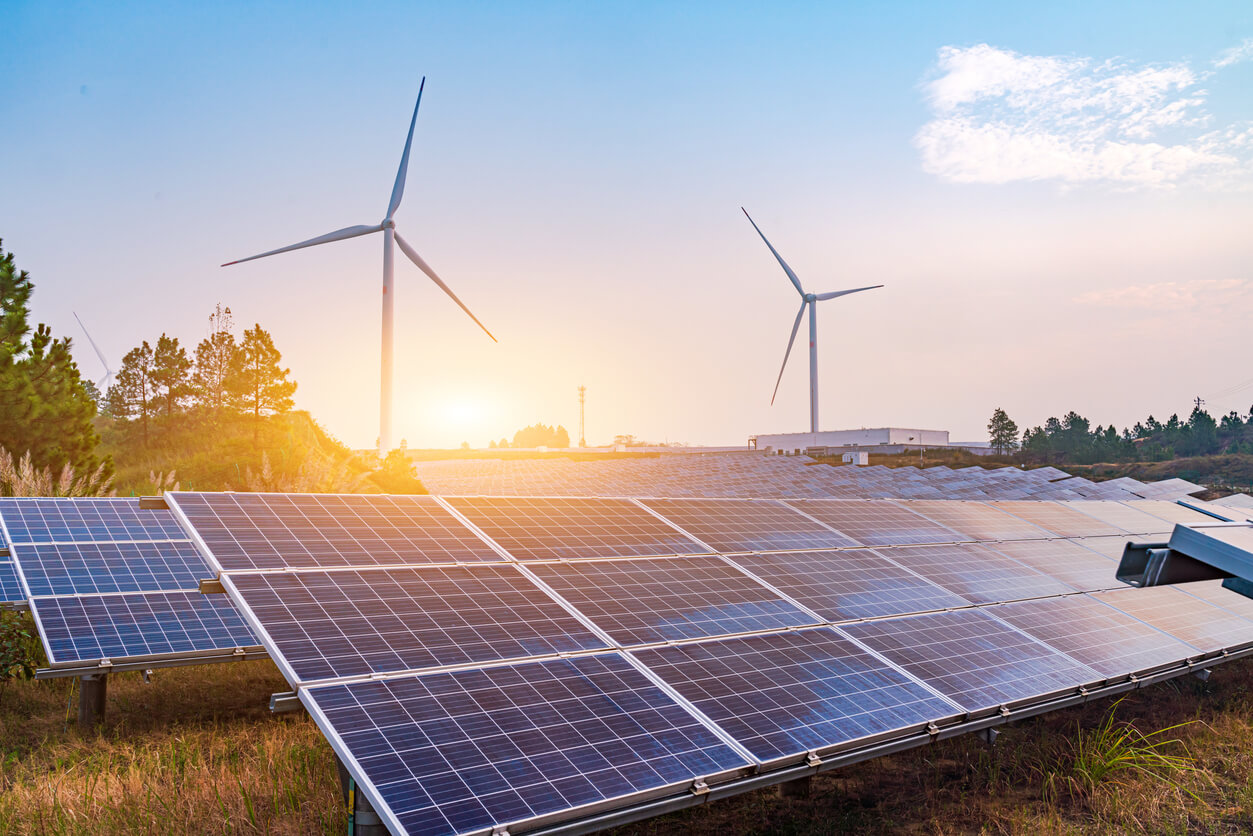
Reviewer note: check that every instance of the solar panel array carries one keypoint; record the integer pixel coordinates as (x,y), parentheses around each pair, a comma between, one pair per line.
(759,476)
(474,688)
(111,584)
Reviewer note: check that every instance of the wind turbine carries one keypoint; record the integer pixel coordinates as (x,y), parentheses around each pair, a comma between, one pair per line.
(103,383)
(390,236)
(811,301)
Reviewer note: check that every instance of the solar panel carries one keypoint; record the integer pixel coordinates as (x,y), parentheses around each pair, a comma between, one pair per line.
(645,601)
(1064,560)
(1125,517)
(1172,512)
(545,529)
(976,572)
(10,588)
(469,751)
(742,525)
(977,520)
(274,531)
(1057,518)
(88,629)
(972,658)
(876,522)
(1099,636)
(340,623)
(1187,617)
(61,520)
(849,584)
(91,568)
(784,695)
(1218,595)
(1110,547)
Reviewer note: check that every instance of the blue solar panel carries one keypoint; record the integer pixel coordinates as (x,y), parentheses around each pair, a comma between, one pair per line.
(10,588)
(275,531)
(745,525)
(783,695)
(340,623)
(141,624)
(90,568)
(467,751)
(645,601)
(82,519)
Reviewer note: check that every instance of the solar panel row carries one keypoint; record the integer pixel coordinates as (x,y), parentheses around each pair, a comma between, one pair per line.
(495,691)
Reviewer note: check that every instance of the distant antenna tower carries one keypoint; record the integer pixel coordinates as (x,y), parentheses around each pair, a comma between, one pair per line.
(1199,401)
(582,433)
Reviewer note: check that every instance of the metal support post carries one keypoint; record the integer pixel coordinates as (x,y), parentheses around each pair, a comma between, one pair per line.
(363,819)
(798,788)
(93,689)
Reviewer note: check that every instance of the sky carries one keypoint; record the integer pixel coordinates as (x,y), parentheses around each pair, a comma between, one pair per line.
(1058,199)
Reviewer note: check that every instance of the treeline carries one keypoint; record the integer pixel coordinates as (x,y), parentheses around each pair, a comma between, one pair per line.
(226,377)
(536,435)
(1072,438)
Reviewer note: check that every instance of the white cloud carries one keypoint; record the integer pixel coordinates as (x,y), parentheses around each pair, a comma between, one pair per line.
(1243,52)
(1171,296)
(998,116)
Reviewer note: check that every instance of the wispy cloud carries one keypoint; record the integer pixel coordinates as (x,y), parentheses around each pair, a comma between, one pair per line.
(1172,296)
(1243,52)
(999,116)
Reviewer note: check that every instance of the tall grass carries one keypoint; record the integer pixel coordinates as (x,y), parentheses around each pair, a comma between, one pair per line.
(20,477)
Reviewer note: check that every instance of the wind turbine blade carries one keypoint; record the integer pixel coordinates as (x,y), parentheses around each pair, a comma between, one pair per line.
(337,235)
(398,190)
(95,347)
(833,294)
(795,327)
(426,268)
(795,281)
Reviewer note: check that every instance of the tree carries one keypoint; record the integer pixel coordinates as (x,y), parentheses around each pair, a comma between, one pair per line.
(134,393)
(1002,432)
(171,374)
(214,358)
(541,435)
(258,383)
(44,408)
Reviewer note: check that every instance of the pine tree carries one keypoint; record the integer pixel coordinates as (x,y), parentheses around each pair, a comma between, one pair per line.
(134,394)
(171,374)
(257,382)
(1002,432)
(44,408)
(214,358)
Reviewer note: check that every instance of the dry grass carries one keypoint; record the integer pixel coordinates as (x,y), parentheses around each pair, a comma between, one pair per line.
(197,751)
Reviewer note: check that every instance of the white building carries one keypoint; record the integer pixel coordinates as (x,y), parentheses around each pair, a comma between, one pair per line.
(879,440)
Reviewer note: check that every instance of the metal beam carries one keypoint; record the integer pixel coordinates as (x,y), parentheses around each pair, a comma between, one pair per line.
(93,689)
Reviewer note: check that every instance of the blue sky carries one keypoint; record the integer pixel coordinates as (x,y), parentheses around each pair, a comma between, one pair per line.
(1057,198)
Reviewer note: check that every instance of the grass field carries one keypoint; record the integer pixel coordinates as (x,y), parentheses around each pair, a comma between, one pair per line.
(197,751)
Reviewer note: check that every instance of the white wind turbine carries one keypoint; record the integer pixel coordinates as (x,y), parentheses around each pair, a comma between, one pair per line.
(811,301)
(388,227)
(103,383)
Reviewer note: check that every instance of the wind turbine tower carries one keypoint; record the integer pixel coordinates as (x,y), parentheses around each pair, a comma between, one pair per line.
(808,300)
(103,383)
(582,434)
(391,239)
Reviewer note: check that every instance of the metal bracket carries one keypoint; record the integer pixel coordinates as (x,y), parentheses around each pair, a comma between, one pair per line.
(933,729)
(989,735)
(152,503)
(147,675)
(1203,674)
(211,586)
(1004,712)
(699,787)
(284,702)
(814,760)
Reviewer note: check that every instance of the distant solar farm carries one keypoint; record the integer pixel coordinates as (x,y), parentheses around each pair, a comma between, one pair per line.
(561,647)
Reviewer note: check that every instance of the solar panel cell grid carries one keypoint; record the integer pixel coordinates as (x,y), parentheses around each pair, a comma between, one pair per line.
(1057,518)
(97,627)
(877,522)
(271,531)
(91,568)
(49,520)
(1172,512)
(785,694)
(1097,635)
(469,750)
(1186,617)
(647,601)
(975,660)
(1118,514)
(349,623)
(977,520)
(976,572)
(10,588)
(1064,561)
(849,584)
(747,525)
(547,529)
